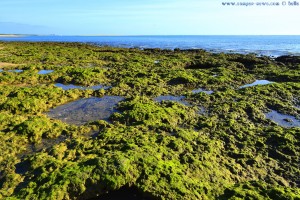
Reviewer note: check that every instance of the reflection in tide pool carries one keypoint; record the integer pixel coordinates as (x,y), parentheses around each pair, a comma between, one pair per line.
(283,120)
(84,110)
(179,99)
(257,82)
(71,86)
(16,70)
(44,71)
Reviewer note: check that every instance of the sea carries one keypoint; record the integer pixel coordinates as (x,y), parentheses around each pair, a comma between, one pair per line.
(264,45)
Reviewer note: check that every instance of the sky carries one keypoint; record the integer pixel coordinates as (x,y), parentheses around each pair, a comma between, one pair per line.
(148,17)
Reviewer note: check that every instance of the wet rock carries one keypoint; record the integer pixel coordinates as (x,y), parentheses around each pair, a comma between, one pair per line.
(179,99)
(288,59)
(125,193)
(249,61)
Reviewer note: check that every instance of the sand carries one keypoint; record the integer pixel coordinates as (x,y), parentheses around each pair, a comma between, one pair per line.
(9,35)
(4,64)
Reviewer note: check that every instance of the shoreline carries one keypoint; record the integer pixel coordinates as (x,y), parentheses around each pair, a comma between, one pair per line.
(218,50)
(11,35)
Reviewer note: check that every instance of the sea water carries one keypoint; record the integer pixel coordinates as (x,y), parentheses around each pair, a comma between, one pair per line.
(260,45)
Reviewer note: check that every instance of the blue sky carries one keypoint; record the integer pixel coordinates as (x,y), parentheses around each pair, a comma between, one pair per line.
(146,17)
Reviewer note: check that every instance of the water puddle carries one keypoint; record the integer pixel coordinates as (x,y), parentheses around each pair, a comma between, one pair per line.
(282,119)
(179,99)
(45,144)
(202,110)
(15,70)
(257,82)
(201,90)
(84,110)
(71,86)
(44,71)
(23,167)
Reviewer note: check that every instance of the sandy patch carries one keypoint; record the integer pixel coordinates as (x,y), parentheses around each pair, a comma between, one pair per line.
(9,35)
(4,64)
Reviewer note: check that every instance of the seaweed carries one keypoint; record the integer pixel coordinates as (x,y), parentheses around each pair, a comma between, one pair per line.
(219,144)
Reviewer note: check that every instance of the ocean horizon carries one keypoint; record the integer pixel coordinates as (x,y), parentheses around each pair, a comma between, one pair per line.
(266,45)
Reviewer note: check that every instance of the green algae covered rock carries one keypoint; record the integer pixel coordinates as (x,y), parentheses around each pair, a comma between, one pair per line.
(222,144)
(259,190)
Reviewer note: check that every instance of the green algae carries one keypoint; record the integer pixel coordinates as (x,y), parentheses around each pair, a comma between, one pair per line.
(164,150)
(260,190)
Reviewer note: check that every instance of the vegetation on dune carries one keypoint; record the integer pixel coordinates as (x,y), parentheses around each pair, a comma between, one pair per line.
(220,145)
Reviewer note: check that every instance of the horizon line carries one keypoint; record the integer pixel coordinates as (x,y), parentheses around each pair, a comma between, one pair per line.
(138,35)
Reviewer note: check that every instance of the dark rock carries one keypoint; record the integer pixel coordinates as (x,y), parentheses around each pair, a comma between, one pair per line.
(288,59)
